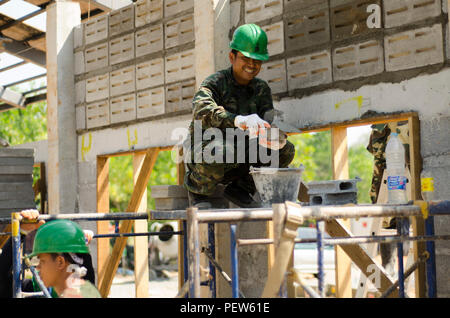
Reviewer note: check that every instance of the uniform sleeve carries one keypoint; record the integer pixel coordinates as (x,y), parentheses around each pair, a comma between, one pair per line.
(265,101)
(209,112)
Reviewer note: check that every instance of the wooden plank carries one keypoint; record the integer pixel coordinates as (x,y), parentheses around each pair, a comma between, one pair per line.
(418,224)
(43,188)
(141,275)
(376,119)
(339,149)
(112,262)
(102,207)
(365,263)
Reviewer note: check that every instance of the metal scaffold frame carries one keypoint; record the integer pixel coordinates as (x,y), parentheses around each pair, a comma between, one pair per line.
(291,215)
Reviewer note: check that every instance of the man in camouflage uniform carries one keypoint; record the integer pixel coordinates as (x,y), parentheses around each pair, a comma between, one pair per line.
(230,99)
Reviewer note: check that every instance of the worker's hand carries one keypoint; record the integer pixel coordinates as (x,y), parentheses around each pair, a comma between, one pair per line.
(273,139)
(253,123)
(88,235)
(30,215)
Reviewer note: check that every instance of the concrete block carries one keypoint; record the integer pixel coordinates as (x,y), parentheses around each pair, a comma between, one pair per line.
(80,92)
(150,102)
(348,18)
(150,74)
(96,29)
(96,57)
(402,12)
(180,66)
(149,40)
(121,20)
(274,73)
(79,62)
(275,36)
(179,96)
(147,11)
(333,198)
(294,5)
(97,87)
(122,81)
(309,70)
(123,108)
(172,7)
(309,27)
(78,36)
(97,114)
(179,31)
(80,117)
(434,136)
(121,49)
(332,186)
(358,60)
(414,48)
(258,10)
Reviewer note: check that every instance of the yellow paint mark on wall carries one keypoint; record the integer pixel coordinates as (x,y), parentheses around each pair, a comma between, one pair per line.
(85,149)
(132,143)
(359,100)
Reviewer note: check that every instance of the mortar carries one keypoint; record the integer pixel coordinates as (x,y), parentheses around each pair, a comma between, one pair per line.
(277,185)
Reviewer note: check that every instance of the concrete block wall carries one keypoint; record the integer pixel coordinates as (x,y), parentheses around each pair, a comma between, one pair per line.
(411,37)
(135,63)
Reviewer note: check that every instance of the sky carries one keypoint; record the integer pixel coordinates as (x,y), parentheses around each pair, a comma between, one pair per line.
(18,8)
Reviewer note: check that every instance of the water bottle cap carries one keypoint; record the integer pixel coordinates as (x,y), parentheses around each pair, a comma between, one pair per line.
(394,134)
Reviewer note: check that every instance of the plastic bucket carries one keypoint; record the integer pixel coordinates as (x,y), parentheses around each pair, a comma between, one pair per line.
(277,185)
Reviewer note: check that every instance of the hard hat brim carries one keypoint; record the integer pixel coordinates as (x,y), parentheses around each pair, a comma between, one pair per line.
(256,56)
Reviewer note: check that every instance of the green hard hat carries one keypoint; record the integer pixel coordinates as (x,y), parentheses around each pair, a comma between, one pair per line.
(59,236)
(251,41)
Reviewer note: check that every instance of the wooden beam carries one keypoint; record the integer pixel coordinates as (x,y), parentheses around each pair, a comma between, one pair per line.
(365,263)
(339,149)
(112,263)
(418,224)
(102,207)
(141,275)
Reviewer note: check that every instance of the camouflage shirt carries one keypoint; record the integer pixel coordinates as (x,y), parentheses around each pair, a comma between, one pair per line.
(220,99)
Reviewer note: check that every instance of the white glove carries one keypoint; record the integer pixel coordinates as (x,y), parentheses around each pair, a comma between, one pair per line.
(253,123)
(273,139)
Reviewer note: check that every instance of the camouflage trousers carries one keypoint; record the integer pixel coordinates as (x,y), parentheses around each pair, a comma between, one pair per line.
(202,178)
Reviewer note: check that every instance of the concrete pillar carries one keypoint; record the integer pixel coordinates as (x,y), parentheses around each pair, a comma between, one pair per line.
(62,17)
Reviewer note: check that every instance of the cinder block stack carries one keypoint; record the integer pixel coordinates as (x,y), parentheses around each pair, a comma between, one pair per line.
(16,180)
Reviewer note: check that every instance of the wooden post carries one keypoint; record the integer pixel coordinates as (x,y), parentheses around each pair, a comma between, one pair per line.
(102,207)
(418,224)
(141,275)
(340,171)
(110,268)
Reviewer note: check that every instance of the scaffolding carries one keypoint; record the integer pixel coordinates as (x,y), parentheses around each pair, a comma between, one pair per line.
(291,215)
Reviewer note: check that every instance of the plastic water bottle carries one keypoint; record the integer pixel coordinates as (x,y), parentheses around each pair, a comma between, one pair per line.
(395,169)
